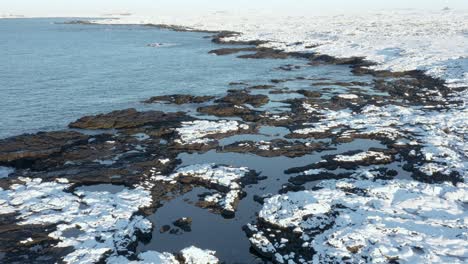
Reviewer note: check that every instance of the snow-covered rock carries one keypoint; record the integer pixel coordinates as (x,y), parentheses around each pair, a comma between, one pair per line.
(104,215)
(378,156)
(366,221)
(196,132)
(227,182)
(440,134)
(194,255)
(191,255)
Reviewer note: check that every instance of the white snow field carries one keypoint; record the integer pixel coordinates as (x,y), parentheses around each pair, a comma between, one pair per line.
(365,221)
(110,216)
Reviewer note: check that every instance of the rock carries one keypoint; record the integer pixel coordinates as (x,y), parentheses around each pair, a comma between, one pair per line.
(242,97)
(27,148)
(236,83)
(261,87)
(350,160)
(274,148)
(179,99)
(229,110)
(266,53)
(184,223)
(229,51)
(164,228)
(129,118)
(308,93)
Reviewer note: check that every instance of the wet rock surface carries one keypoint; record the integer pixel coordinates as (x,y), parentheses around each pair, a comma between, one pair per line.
(274,148)
(318,152)
(128,118)
(27,148)
(242,97)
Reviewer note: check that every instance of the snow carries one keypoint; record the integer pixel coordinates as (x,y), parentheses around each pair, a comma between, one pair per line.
(442,134)
(195,132)
(348,96)
(371,221)
(378,156)
(109,216)
(194,255)
(191,255)
(397,40)
(228,178)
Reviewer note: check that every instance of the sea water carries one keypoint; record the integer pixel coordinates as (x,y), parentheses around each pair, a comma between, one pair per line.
(52,73)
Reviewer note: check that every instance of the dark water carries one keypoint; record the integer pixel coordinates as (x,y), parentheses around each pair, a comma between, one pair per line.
(52,74)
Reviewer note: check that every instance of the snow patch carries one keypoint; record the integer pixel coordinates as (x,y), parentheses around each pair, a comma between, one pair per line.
(104,215)
(195,132)
(378,156)
(228,180)
(367,221)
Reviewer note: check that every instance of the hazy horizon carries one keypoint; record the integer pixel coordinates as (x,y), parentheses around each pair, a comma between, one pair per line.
(51,8)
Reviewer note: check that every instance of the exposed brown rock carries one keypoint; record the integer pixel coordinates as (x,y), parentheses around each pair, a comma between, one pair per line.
(128,118)
(30,147)
(242,97)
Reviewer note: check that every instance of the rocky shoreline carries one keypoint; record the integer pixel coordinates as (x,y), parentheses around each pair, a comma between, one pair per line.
(140,151)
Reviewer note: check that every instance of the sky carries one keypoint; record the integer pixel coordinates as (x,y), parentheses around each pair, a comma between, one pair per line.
(173,7)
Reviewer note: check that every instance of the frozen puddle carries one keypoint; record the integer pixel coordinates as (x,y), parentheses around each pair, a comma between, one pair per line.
(365,221)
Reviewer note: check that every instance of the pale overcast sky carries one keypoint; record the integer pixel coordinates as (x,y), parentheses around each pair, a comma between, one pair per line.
(148,7)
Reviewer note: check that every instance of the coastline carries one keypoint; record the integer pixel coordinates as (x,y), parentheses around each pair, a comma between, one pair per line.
(189,136)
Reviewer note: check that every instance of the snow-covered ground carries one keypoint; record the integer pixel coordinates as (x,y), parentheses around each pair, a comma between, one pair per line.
(365,221)
(86,214)
(400,40)
(195,132)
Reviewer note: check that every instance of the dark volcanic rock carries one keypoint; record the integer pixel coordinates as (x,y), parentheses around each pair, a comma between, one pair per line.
(308,93)
(274,148)
(348,160)
(264,53)
(179,99)
(242,97)
(30,147)
(228,51)
(219,38)
(128,118)
(229,110)
(261,87)
(39,248)
(184,223)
